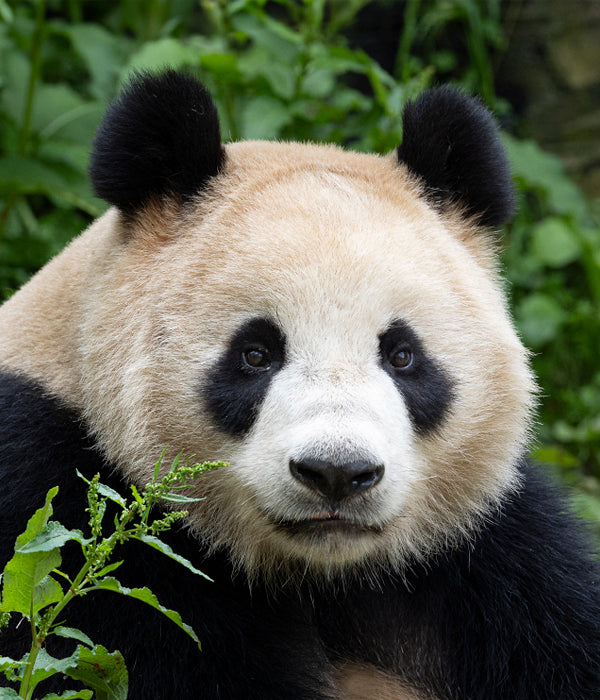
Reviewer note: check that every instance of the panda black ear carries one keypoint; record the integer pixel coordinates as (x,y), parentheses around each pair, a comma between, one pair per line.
(450,140)
(159,137)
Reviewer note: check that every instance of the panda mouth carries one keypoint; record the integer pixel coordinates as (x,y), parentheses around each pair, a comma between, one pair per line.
(325,523)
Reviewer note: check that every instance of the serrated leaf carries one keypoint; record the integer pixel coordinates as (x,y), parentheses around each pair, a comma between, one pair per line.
(72,633)
(46,592)
(161,546)
(27,588)
(103,671)
(111,494)
(53,536)
(145,595)
(105,490)
(46,665)
(9,667)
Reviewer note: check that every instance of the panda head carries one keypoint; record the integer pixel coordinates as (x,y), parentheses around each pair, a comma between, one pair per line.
(329,323)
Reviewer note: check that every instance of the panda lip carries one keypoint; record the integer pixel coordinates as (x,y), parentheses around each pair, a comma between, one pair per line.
(330,515)
(326,520)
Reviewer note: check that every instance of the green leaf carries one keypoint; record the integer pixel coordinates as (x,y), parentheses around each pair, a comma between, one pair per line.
(38,520)
(103,671)
(72,633)
(9,668)
(544,171)
(53,536)
(16,69)
(539,319)
(46,665)
(111,494)
(146,596)
(282,43)
(554,242)
(27,175)
(20,175)
(103,55)
(224,66)
(258,63)
(158,465)
(105,491)
(178,498)
(108,569)
(161,546)
(8,694)
(71,695)
(53,102)
(27,588)
(157,55)
(264,117)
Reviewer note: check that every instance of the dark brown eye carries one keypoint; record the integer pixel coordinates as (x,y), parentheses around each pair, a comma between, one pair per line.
(257,358)
(401,358)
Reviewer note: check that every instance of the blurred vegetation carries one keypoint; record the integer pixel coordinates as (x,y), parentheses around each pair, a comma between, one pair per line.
(290,69)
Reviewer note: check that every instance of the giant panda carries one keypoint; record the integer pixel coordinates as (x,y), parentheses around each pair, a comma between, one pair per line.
(333,326)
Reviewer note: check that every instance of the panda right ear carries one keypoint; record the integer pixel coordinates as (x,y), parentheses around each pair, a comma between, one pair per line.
(159,137)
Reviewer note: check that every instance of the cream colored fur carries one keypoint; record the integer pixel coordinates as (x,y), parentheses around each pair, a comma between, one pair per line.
(361,682)
(124,324)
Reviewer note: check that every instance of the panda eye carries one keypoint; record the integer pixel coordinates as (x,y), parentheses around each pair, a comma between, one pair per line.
(257,358)
(401,357)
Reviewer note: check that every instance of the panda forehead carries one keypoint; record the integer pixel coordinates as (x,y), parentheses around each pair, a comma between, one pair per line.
(322,235)
(317,239)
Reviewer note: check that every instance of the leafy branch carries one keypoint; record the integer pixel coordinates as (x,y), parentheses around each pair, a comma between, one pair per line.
(35,587)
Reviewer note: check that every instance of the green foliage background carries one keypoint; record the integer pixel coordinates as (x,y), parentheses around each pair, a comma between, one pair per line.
(287,69)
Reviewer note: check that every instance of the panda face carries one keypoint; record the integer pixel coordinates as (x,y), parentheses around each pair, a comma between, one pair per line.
(315,323)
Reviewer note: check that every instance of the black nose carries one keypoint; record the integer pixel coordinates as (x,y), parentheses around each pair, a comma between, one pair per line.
(336,481)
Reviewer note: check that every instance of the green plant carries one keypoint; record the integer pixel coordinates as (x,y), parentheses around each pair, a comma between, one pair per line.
(553,263)
(35,587)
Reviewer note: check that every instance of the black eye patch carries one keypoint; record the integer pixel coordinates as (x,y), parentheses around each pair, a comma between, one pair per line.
(425,387)
(237,384)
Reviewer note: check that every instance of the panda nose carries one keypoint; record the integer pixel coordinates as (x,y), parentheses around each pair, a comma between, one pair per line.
(336,481)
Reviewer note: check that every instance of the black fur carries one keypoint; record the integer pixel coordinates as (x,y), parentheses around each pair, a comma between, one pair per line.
(514,617)
(233,391)
(425,386)
(159,137)
(450,141)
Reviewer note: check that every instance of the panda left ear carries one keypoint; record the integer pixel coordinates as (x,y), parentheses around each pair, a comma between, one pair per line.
(450,141)
(159,137)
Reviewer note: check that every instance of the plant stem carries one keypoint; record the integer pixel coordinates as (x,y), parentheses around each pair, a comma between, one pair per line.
(36,55)
(409,33)
(39,635)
